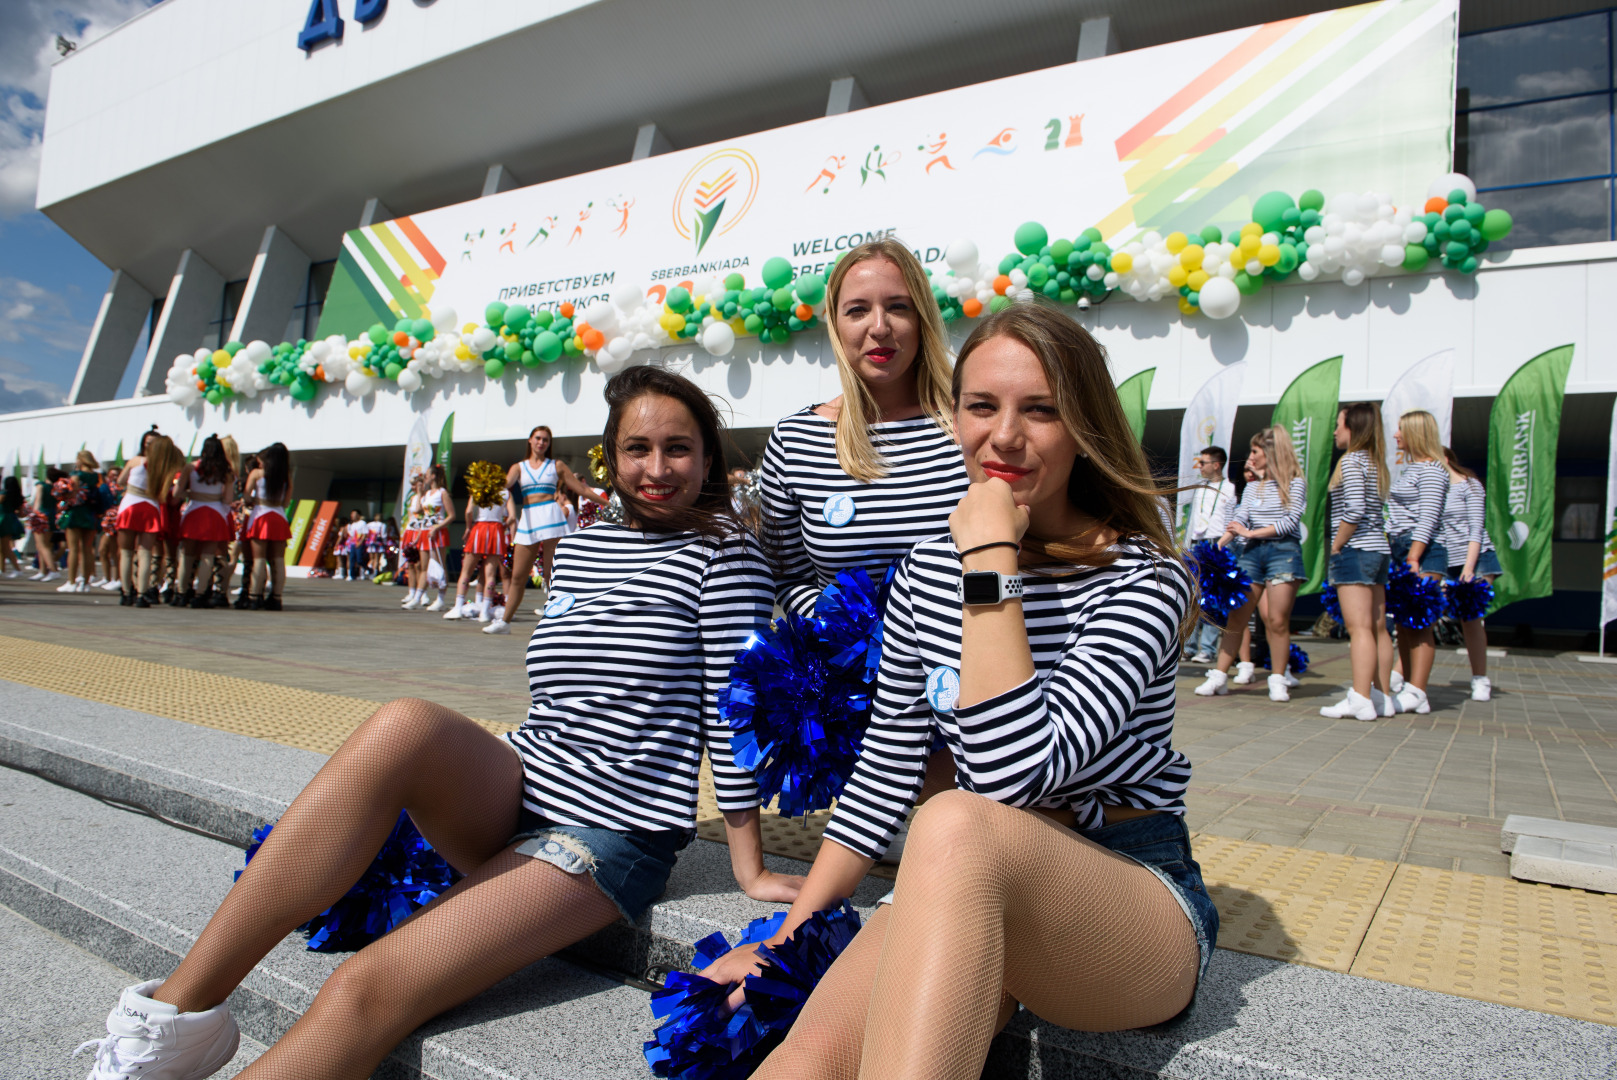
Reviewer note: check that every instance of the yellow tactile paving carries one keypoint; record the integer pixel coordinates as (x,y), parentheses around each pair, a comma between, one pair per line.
(1487,938)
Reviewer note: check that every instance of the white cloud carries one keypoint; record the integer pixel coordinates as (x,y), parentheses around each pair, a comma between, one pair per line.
(28,30)
(42,318)
(19,390)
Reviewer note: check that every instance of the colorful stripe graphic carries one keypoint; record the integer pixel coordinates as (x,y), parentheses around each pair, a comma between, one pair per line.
(384,272)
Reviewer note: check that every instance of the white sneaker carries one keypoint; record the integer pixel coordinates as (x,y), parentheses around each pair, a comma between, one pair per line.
(1201,658)
(1383,703)
(436,605)
(1411,699)
(1353,706)
(13,573)
(1291,680)
(1244,673)
(482,613)
(1481,688)
(113,586)
(1215,683)
(71,586)
(52,576)
(498,626)
(84,586)
(456,612)
(154,1041)
(37,575)
(1277,688)
(97,581)
(1395,682)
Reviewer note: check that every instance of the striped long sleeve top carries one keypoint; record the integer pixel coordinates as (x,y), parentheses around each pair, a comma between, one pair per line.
(822,521)
(1261,505)
(1357,499)
(1461,526)
(1415,504)
(1093,726)
(639,634)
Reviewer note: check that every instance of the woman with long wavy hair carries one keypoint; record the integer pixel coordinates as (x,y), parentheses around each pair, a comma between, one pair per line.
(146,479)
(268,488)
(1359,560)
(205,524)
(1415,534)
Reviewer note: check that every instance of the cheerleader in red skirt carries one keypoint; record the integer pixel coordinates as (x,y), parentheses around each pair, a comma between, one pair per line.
(146,480)
(267,531)
(486,545)
(206,527)
(435,514)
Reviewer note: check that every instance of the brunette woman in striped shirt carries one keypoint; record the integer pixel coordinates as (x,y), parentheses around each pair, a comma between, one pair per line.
(1471,556)
(1042,640)
(565,826)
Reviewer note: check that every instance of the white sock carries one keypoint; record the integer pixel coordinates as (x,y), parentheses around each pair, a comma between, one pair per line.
(477,599)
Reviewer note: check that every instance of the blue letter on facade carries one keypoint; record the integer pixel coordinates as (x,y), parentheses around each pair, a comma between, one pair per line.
(323,24)
(368,11)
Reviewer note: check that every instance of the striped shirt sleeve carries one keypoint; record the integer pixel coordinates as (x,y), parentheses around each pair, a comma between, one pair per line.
(1353,496)
(1478,506)
(737,599)
(796,585)
(1290,523)
(1433,485)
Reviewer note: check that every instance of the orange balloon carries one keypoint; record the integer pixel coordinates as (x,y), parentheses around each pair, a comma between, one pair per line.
(1436,204)
(400,338)
(804,312)
(201,385)
(320,372)
(593,338)
(566,311)
(1002,283)
(972,308)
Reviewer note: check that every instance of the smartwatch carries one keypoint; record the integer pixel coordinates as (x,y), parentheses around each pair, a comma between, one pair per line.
(989,587)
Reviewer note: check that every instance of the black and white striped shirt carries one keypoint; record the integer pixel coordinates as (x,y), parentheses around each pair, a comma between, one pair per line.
(925,481)
(1415,504)
(1357,499)
(639,634)
(1478,508)
(1261,505)
(1093,726)
(1465,513)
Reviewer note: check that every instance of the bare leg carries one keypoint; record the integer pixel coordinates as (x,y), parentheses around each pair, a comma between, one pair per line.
(1278,600)
(1357,603)
(1476,645)
(1234,628)
(550,559)
(126,560)
(143,561)
(277,566)
(260,566)
(521,570)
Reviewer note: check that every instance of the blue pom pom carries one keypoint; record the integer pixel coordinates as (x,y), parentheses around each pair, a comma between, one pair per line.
(701,1039)
(1333,606)
(1224,587)
(405,875)
(799,695)
(1413,600)
(1468,600)
(1297,659)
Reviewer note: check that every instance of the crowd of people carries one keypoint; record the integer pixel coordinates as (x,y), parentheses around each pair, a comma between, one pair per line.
(158,529)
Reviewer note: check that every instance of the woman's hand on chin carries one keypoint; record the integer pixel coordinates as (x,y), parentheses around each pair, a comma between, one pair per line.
(988,514)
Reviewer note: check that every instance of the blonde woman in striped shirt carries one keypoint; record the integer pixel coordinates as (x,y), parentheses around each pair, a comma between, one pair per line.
(1415,534)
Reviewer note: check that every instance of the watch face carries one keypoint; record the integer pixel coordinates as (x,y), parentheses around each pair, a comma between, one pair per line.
(980,587)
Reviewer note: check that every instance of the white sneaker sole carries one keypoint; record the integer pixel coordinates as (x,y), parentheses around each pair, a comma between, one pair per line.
(1211,691)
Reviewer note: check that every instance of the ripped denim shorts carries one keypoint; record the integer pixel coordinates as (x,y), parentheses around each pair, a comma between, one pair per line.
(1273,561)
(630,866)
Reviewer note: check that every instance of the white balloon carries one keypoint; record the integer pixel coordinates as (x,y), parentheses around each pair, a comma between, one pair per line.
(1352,276)
(1219,298)
(602,315)
(409,381)
(961,255)
(482,339)
(609,364)
(620,348)
(1308,271)
(628,297)
(1393,254)
(719,339)
(444,320)
(358,383)
(1448,182)
(258,351)
(199,356)
(1254,267)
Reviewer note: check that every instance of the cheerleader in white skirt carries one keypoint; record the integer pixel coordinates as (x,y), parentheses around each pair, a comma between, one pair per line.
(486,544)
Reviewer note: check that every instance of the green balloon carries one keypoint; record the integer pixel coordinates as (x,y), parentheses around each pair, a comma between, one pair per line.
(1312,199)
(543,317)
(494,314)
(1288,260)
(517,317)
(377,334)
(1455,251)
(1211,234)
(782,300)
(213,396)
(733,282)
(1269,208)
(528,358)
(678,300)
(1038,276)
(562,328)
(569,347)
(1091,234)
(1247,283)
(547,346)
(1455,211)
(777,273)
(392,370)
(1030,238)
(513,350)
(780,335)
(1461,231)
(1060,250)
(999,303)
(206,369)
(811,289)
(1496,224)
(1468,265)
(302,388)
(421,329)
(494,368)
(233,347)
(1416,257)
(753,323)
(402,326)
(1458,195)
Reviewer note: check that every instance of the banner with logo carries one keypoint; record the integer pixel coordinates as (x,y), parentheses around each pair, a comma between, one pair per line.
(1427,385)
(1307,410)
(1522,433)
(301,514)
(1172,137)
(1134,392)
(1608,585)
(418,452)
(319,533)
(446,444)
(1209,421)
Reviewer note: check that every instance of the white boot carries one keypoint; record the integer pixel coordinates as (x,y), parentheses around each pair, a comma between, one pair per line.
(1277,688)
(1481,688)
(155,1041)
(1245,672)
(1383,703)
(1353,706)
(482,611)
(1412,699)
(1215,683)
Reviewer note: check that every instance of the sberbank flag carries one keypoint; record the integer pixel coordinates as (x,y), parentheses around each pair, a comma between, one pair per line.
(1134,392)
(1307,410)
(1522,432)
(446,443)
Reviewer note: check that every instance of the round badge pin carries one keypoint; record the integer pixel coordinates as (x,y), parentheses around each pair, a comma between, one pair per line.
(838,510)
(558,604)
(943,688)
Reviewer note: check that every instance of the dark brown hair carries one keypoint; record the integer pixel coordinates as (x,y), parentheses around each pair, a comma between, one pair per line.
(1363,421)
(212,464)
(277,466)
(550,447)
(1455,466)
(711,514)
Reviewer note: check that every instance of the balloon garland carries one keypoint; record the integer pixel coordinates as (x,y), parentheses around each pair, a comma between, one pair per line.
(1347,237)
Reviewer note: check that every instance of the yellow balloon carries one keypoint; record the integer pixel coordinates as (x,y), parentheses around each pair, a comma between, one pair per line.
(354,352)
(1186,307)
(1251,228)
(221,358)
(1269,254)
(739,325)
(1177,275)
(675,323)
(1249,247)
(468,328)
(1196,279)
(462,352)
(1122,262)
(1190,256)
(221,380)
(578,342)
(1176,242)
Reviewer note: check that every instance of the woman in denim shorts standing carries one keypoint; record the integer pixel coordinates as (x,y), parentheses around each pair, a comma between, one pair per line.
(1471,556)
(1359,559)
(1414,523)
(1269,524)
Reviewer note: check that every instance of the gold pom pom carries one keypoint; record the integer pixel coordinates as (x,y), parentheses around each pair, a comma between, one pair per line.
(486,483)
(598,463)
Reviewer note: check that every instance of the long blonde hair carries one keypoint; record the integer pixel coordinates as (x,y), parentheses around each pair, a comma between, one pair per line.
(1281,457)
(1421,440)
(856,451)
(232,453)
(1363,422)
(163,460)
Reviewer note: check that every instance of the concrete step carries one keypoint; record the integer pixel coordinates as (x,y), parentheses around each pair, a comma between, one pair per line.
(1517,826)
(1574,863)
(135,892)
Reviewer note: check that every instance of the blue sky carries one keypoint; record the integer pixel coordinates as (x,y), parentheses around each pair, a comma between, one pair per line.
(50,287)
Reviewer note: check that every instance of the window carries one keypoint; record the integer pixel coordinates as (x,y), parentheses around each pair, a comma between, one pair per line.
(306,312)
(1533,127)
(229,304)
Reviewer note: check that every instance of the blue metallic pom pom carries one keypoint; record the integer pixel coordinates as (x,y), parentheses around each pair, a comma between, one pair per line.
(1413,600)
(799,695)
(701,1039)
(1468,600)
(1224,586)
(405,875)
(1296,658)
(1332,605)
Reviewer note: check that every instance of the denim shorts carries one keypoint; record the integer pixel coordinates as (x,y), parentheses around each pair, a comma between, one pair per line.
(1273,561)
(631,867)
(1161,843)
(1488,564)
(1434,560)
(1355,566)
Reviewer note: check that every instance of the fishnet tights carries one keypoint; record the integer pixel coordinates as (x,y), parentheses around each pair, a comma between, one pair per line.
(463,789)
(992,901)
